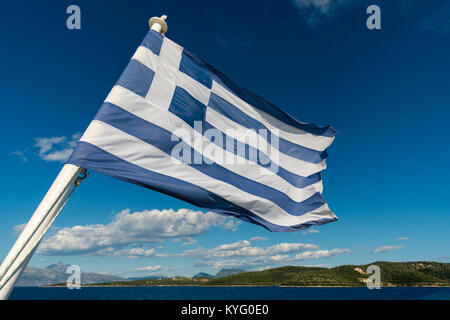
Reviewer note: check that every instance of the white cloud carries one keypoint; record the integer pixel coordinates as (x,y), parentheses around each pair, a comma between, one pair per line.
(241,254)
(314,11)
(235,245)
(131,229)
(266,261)
(148,268)
(226,264)
(21,154)
(244,249)
(323,6)
(311,231)
(386,249)
(232,225)
(279,257)
(320,254)
(402,239)
(258,239)
(189,242)
(56,148)
(19,228)
(290,247)
(132,253)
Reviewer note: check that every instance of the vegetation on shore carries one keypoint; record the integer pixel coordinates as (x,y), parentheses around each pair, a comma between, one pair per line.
(392,274)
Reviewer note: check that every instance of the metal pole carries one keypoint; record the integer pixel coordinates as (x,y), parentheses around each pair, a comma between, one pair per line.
(22,251)
(18,257)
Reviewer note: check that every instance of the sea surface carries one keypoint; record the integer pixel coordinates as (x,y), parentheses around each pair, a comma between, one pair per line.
(229,293)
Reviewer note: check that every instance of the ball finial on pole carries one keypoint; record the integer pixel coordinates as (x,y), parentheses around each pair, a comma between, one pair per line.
(158,24)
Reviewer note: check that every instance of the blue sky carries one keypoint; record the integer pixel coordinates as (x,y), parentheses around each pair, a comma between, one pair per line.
(385,91)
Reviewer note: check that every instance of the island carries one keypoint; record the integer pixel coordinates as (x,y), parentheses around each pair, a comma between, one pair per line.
(420,273)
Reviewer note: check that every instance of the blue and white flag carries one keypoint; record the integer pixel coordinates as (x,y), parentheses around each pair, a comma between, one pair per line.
(174,124)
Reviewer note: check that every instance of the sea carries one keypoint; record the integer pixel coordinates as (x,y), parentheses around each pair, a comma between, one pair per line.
(230,293)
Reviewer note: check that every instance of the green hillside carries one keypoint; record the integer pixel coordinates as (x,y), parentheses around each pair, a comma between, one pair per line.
(414,273)
(392,274)
(294,276)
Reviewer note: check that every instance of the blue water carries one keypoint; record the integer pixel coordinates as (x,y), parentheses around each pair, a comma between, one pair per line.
(229,293)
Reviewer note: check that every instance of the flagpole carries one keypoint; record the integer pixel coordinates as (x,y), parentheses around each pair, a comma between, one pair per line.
(49,208)
(25,245)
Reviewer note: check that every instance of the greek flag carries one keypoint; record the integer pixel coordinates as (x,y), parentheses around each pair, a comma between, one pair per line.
(174,124)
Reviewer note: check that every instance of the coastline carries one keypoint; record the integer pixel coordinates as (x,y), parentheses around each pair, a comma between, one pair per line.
(218,286)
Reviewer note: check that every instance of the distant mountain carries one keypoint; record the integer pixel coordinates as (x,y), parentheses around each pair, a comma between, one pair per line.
(222,273)
(59,266)
(56,273)
(228,272)
(202,275)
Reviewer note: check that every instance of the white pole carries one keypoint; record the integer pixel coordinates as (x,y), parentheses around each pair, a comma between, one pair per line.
(18,257)
(22,251)
(8,287)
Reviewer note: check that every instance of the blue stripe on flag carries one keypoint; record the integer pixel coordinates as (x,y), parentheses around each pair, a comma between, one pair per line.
(96,159)
(186,107)
(161,139)
(195,68)
(153,40)
(137,78)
